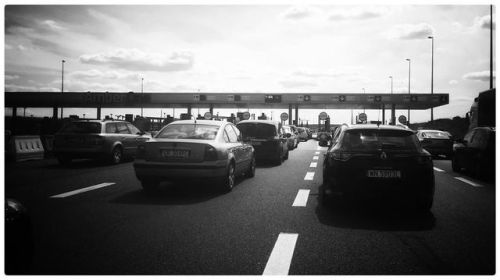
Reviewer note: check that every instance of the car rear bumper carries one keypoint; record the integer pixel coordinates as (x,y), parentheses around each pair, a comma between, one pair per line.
(162,170)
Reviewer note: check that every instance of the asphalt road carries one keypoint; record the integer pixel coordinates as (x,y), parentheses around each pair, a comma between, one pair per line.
(270,224)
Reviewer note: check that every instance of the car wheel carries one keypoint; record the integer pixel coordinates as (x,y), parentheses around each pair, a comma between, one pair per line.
(251,169)
(116,155)
(227,182)
(149,185)
(454,164)
(64,160)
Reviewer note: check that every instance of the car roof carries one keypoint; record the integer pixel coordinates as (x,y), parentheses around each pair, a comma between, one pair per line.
(431,130)
(212,122)
(380,127)
(261,121)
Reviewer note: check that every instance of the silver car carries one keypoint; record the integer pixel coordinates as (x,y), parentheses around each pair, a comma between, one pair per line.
(191,149)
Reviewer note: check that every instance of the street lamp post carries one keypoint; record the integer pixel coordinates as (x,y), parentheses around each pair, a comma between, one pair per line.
(432,74)
(364,92)
(142,93)
(390,77)
(62,83)
(409,92)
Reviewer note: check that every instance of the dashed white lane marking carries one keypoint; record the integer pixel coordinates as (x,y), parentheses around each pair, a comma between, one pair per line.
(438,170)
(468,182)
(316,153)
(313,165)
(281,256)
(309,176)
(301,198)
(66,194)
(315,157)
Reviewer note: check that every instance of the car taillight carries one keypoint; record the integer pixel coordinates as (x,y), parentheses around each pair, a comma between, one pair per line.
(341,156)
(210,153)
(141,152)
(95,140)
(424,159)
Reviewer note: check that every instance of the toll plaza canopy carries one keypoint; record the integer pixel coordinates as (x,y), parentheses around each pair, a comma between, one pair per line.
(414,101)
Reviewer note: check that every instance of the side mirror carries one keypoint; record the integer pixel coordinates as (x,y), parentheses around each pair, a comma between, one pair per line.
(288,135)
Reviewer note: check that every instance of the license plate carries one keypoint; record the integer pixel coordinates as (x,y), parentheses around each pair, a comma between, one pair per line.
(175,154)
(256,143)
(384,174)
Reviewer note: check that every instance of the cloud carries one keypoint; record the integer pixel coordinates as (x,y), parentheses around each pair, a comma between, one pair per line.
(483,76)
(94,74)
(299,12)
(483,22)
(453,82)
(357,14)
(326,74)
(135,59)
(50,46)
(11,77)
(52,25)
(411,32)
(296,84)
(18,88)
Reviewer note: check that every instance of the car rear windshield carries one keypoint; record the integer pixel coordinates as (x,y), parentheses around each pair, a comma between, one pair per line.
(436,134)
(189,131)
(82,127)
(257,130)
(375,139)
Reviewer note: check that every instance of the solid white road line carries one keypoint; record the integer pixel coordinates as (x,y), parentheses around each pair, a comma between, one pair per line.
(315,157)
(301,198)
(82,190)
(468,182)
(316,153)
(281,256)
(309,176)
(438,170)
(313,164)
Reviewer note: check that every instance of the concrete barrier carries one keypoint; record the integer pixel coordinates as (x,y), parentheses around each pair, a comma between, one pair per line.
(25,147)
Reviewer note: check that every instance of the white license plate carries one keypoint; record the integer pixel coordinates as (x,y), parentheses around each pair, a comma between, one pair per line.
(175,154)
(384,174)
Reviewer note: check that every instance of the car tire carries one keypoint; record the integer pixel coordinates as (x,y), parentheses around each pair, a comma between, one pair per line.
(64,160)
(251,169)
(116,155)
(455,165)
(227,182)
(149,185)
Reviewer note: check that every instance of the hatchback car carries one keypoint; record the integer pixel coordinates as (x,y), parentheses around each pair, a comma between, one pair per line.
(436,142)
(110,140)
(303,136)
(190,149)
(370,162)
(292,139)
(267,137)
(476,153)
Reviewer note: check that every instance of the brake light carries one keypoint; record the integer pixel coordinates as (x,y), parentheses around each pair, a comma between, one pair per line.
(340,156)
(210,153)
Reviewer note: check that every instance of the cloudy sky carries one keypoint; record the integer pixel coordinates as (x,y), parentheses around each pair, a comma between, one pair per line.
(245,48)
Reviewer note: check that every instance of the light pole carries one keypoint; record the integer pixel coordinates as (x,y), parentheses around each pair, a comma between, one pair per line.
(390,77)
(432,74)
(409,92)
(142,92)
(364,92)
(62,83)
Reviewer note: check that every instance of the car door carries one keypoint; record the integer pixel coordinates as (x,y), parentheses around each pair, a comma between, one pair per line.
(234,147)
(246,149)
(138,137)
(126,138)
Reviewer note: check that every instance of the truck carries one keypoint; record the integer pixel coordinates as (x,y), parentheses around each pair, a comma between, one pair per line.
(482,111)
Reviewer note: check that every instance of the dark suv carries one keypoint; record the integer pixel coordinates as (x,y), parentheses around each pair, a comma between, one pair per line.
(476,153)
(267,137)
(109,139)
(370,161)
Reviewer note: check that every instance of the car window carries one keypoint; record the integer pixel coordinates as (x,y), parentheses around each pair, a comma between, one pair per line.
(133,129)
(189,131)
(122,128)
(257,130)
(231,134)
(236,130)
(287,129)
(111,128)
(82,127)
(436,134)
(374,139)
